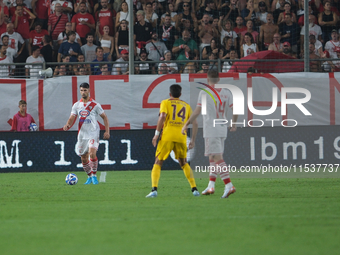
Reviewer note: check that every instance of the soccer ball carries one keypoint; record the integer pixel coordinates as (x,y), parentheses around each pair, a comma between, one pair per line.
(71,179)
(33,127)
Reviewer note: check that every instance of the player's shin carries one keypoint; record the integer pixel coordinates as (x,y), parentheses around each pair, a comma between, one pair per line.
(189,175)
(87,168)
(155,175)
(212,173)
(224,172)
(94,165)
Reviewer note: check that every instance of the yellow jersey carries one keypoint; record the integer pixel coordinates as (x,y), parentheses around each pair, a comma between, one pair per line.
(177,114)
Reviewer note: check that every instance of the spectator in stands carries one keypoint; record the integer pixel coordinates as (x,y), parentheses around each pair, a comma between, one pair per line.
(290,32)
(40,10)
(81,71)
(171,66)
(142,31)
(23,21)
(301,19)
(224,52)
(209,8)
(287,9)
(214,47)
(22,120)
(313,30)
(62,37)
(333,45)
(335,65)
(123,14)
(213,65)
(104,68)
(267,32)
(32,71)
(69,68)
(278,11)
(231,11)
(121,68)
(69,48)
(35,37)
(61,70)
(105,17)
(249,46)
(326,65)
(250,29)
(227,64)
(206,31)
(95,68)
(146,67)
(204,68)
(10,52)
(317,45)
(261,15)
(98,6)
(327,20)
(122,38)
(46,50)
(189,68)
(162,68)
(155,48)
(183,46)
(107,42)
(315,66)
(248,13)
(225,27)
(240,27)
(66,6)
(188,25)
(89,49)
(150,15)
(57,22)
(186,15)
(80,65)
(287,50)
(77,5)
(83,22)
(170,10)
(5,70)
(167,32)
(276,45)
(14,40)
(3,18)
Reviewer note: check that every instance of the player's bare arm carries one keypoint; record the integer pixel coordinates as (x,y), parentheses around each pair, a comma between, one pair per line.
(70,122)
(193,134)
(191,120)
(160,123)
(106,135)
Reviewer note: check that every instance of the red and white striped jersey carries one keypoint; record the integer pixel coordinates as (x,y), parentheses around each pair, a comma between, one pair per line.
(88,114)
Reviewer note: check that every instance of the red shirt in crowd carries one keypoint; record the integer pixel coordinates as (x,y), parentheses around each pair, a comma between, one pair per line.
(37,37)
(6,12)
(106,19)
(23,25)
(41,8)
(52,21)
(81,29)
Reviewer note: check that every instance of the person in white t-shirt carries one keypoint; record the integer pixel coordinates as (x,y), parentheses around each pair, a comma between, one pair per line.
(313,30)
(5,70)
(32,71)
(333,45)
(14,39)
(88,111)
(214,136)
(10,52)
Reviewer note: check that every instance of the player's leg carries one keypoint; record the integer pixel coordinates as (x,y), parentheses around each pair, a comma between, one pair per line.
(213,171)
(162,152)
(189,175)
(93,147)
(87,167)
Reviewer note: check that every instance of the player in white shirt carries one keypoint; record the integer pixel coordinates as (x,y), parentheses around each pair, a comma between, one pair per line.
(88,131)
(214,137)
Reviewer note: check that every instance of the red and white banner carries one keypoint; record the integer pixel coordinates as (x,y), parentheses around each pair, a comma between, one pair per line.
(132,102)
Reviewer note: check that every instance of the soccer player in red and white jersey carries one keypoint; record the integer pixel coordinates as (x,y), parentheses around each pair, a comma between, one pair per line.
(106,17)
(214,137)
(88,131)
(36,36)
(22,120)
(83,22)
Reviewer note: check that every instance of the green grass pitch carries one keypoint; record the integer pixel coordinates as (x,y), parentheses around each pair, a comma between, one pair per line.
(40,214)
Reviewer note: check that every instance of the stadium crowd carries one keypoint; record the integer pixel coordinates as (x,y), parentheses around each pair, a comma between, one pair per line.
(78,31)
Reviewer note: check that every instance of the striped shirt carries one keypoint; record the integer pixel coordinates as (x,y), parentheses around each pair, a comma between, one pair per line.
(52,20)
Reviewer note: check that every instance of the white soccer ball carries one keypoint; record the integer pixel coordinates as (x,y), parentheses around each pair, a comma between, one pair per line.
(33,127)
(71,179)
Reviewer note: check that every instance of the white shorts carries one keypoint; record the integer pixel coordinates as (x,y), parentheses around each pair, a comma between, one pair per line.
(214,145)
(83,145)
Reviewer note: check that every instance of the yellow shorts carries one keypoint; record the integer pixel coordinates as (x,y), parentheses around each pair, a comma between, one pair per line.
(165,147)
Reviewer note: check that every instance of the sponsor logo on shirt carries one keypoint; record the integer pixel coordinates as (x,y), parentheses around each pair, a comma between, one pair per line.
(84,113)
(107,14)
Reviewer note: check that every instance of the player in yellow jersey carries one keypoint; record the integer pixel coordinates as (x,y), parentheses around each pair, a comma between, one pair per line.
(173,114)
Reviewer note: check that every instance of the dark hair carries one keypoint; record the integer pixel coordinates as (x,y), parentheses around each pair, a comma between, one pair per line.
(89,34)
(84,85)
(175,90)
(37,24)
(4,37)
(213,75)
(34,48)
(102,65)
(251,37)
(99,48)
(48,38)
(80,55)
(70,33)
